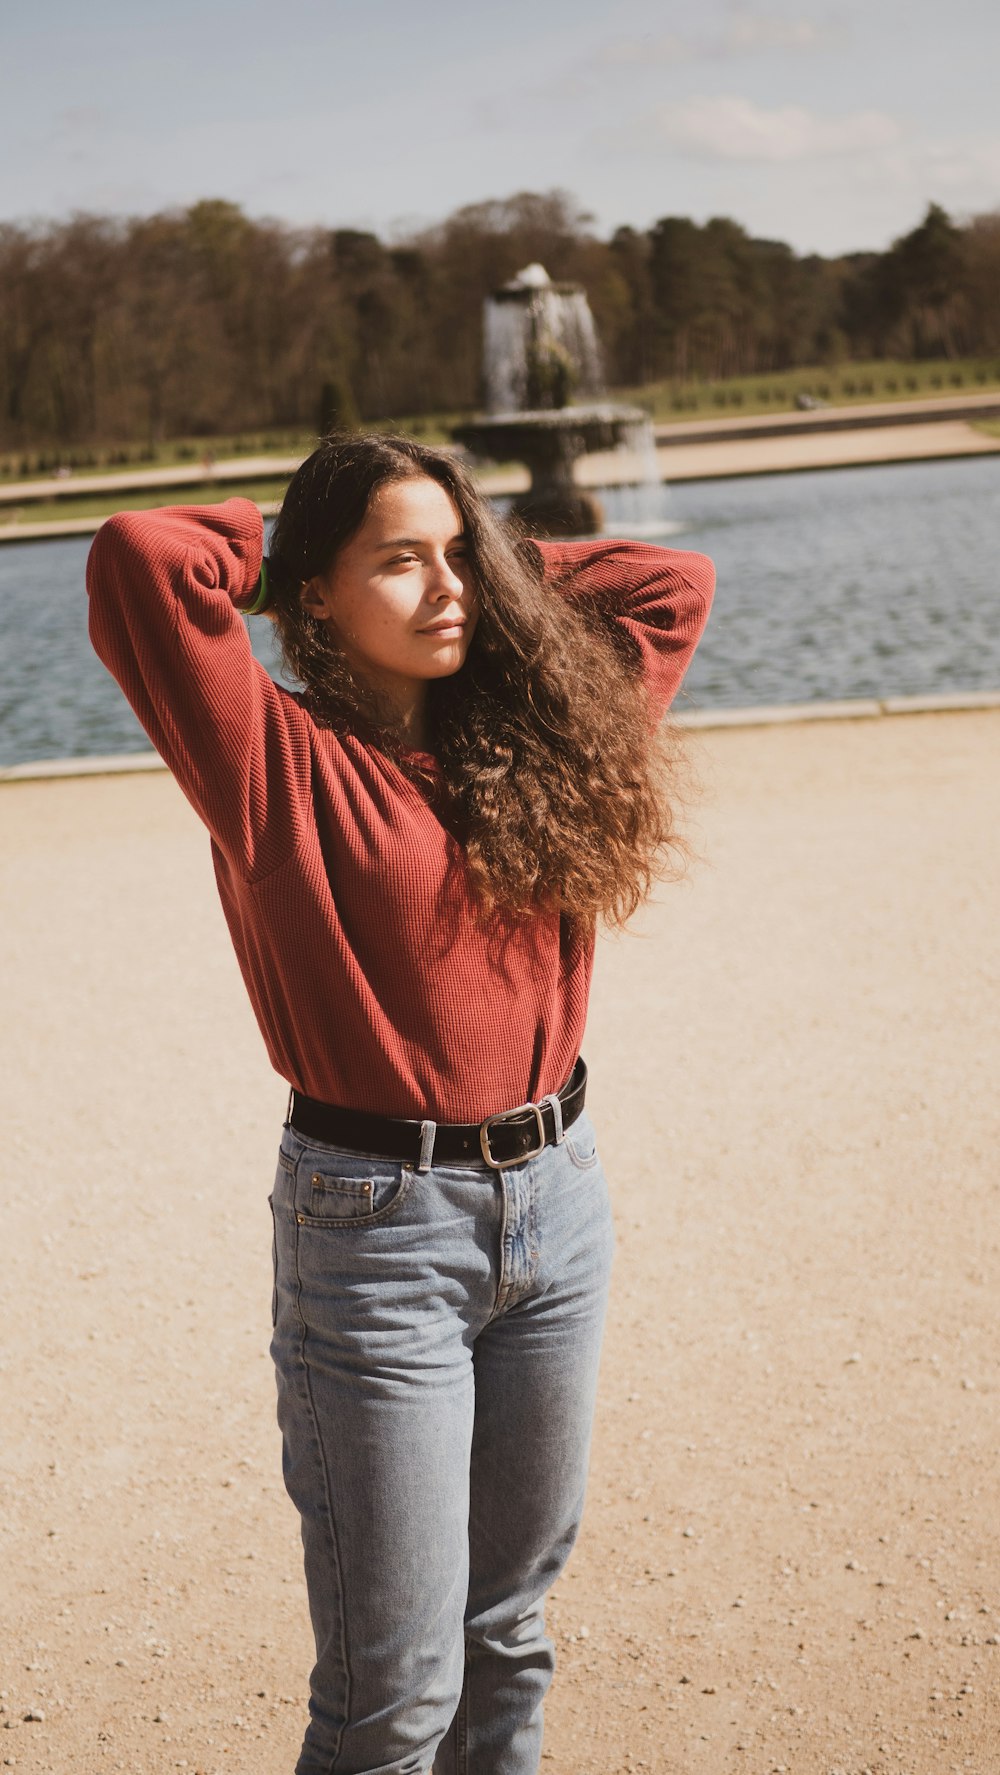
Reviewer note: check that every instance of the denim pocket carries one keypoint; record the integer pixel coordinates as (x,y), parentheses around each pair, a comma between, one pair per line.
(343,1189)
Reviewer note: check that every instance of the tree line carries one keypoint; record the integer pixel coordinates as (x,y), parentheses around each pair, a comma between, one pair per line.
(207,321)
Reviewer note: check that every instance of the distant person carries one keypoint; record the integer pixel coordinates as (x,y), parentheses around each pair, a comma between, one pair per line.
(412,854)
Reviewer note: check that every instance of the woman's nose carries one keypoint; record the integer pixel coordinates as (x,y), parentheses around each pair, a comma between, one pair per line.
(446,583)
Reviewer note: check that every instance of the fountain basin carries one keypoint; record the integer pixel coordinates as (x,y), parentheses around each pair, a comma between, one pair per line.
(549,441)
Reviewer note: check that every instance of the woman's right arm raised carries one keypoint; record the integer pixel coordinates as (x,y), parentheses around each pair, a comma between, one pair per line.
(165,589)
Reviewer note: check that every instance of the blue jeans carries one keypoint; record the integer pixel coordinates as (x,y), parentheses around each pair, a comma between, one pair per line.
(436,1339)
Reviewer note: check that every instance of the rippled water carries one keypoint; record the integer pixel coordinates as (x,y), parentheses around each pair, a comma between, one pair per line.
(864,582)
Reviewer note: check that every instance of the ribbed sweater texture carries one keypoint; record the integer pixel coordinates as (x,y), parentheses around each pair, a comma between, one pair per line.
(376,982)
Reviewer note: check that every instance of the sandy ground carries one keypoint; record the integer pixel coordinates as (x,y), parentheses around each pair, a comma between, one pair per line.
(731,458)
(846,449)
(791,1556)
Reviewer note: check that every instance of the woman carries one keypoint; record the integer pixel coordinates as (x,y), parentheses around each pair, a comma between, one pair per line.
(412,853)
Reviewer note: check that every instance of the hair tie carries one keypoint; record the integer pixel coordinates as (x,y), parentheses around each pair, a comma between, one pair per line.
(261,593)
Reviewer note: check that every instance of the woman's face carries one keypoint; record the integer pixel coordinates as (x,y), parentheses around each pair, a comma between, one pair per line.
(399,597)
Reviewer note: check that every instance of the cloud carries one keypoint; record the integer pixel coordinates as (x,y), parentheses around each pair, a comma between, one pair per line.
(76,134)
(741,33)
(80,124)
(965,172)
(747,32)
(628,52)
(726,127)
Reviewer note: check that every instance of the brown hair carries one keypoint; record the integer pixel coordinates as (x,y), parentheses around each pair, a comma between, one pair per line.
(554,778)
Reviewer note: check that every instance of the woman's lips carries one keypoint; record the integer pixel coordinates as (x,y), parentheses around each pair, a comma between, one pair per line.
(444,628)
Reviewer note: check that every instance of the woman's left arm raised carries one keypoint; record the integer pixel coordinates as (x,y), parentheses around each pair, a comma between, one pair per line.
(659,597)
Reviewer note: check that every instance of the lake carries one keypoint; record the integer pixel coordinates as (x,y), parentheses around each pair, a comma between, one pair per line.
(863,582)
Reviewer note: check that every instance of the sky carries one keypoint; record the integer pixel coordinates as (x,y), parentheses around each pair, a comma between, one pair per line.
(830,126)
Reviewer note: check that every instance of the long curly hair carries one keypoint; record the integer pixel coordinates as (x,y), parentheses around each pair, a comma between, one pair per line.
(553,777)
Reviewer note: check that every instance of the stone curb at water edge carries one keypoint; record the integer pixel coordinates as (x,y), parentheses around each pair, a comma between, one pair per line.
(773,715)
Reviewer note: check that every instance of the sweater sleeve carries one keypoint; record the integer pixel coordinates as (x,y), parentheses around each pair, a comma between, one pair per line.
(163,588)
(660,598)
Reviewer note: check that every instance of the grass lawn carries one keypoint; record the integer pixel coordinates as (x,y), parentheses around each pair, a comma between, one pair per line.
(27,465)
(46,511)
(844,385)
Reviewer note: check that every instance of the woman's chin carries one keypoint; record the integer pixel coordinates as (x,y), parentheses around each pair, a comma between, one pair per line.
(446,658)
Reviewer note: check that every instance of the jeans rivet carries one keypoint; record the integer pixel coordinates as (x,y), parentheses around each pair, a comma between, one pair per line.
(301,1219)
(316,1179)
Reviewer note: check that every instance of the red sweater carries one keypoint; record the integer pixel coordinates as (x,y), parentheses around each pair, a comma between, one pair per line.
(332,868)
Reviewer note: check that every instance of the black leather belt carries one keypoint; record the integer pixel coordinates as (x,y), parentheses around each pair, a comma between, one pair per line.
(506,1139)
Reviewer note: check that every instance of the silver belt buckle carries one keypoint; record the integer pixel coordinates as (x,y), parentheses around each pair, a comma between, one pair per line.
(484,1136)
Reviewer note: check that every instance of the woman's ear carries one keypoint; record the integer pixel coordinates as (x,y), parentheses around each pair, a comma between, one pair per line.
(314,597)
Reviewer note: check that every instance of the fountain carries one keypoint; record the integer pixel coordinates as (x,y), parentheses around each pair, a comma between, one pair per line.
(540,349)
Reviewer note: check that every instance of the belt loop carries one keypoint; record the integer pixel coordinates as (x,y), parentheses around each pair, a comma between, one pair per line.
(428,1130)
(557,1122)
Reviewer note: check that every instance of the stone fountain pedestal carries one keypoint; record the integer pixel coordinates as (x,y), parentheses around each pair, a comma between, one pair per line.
(549,441)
